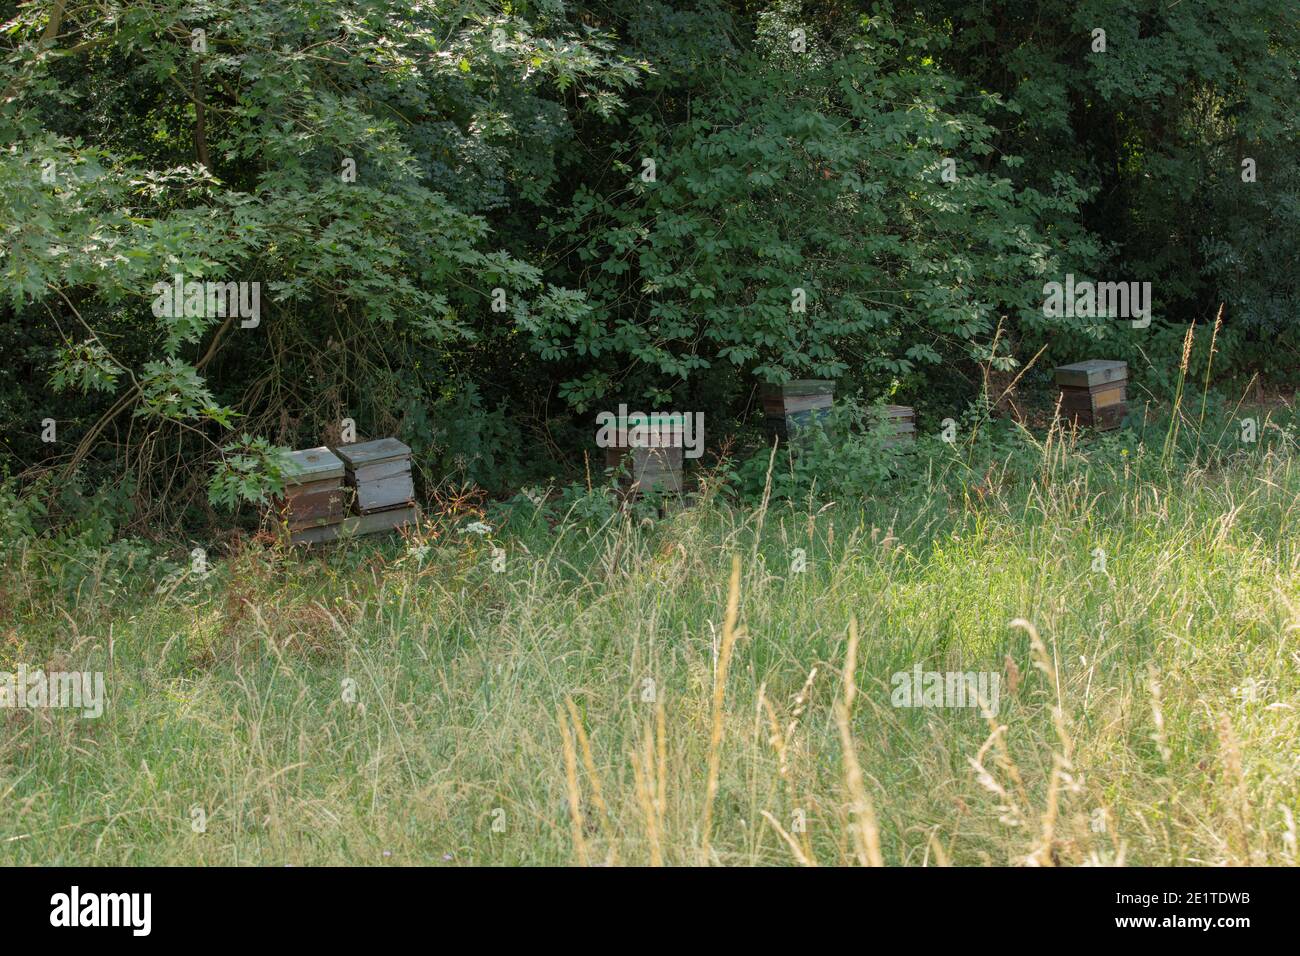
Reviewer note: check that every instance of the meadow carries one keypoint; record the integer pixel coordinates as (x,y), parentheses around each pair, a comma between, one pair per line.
(540,685)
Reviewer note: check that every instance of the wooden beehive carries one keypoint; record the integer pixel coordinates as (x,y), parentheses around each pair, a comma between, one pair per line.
(314,495)
(380,474)
(354,525)
(1094,393)
(788,407)
(649,449)
(901,419)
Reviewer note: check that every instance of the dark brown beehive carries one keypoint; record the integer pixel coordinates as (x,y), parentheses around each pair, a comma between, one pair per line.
(314,494)
(793,405)
(650,450)
(1094,393)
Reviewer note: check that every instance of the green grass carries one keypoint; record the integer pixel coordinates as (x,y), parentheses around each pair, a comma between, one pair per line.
(226,692)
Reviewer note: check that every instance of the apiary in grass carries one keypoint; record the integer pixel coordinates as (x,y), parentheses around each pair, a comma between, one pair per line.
(901,420)
(380,474)
(796,403)
(314,493)
(650,449)
(1094,393)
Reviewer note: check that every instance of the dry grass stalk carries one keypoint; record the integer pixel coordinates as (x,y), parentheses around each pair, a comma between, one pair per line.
(1157,716)
(719,696)
(865,831)
(575,795)
(1239,815)
(850,666)
(643,775)
(661,774)
(597,794)
(800,856)
(777,740)
(1043,853)
(1209,364)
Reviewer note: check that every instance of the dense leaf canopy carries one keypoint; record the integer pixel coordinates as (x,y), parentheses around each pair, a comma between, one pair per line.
(471,223)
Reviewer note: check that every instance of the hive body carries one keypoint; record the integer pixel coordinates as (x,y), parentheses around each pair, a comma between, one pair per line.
(649,449)
(795,404)
(380,473)
(1094,393)
(314,493)
(902,421)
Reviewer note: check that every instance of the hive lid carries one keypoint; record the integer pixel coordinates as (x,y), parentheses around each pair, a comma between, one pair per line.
(1092,372)
(801,386)
(312,464)
(372,452)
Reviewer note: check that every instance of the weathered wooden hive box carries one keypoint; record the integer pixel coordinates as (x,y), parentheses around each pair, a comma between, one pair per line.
(788,407)
(902,422)
(1094,393)
(380,473)
(314,495)
(650,449)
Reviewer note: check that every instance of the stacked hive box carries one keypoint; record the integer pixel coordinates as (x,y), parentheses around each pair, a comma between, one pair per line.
(314,496)
(902,422)
(378,473)
(649,448)
(1094,393)
(788,407)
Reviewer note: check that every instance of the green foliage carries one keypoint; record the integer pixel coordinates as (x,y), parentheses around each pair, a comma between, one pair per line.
(443,206)
(78,535)
(594,505)
(20,514)
(456,437)
(799,224)
(1156,128)
(218,142)
(251,470)
(174,389)
(845,455)
(86,366)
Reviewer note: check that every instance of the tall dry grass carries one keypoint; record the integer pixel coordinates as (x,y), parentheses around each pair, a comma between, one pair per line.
(677,694)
